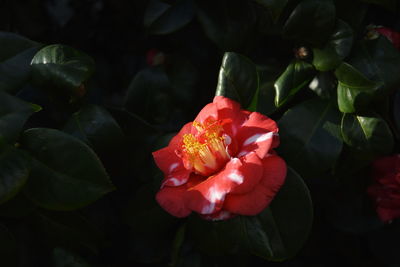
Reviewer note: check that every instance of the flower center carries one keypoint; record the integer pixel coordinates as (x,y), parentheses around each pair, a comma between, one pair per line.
(206,151)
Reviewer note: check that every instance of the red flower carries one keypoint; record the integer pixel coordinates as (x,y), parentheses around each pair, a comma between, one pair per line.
(386,189)
(222,164)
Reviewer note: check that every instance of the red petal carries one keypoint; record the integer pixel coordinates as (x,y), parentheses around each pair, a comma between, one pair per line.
(172,167)
(208,196)
(259,134)
(210,110)
(176,141)
(167,160)
(252,170)
(171,199)
(387,215)
(230,114)
(258,199)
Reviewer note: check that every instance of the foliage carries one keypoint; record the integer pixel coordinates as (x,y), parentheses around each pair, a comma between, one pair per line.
(79,120)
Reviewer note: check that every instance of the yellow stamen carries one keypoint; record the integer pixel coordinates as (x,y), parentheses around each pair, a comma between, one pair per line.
(203,149)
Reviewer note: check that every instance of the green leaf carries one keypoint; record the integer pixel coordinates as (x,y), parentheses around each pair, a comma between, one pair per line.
(311,21)
(266,99)
(60,69)
(65,258)
(12,44)
(13,115)
(294,78)
(355,91)
(8,248)
(162,18)
(66,174)
(379,61)
(238,79)
(229,24)
(15,71)
(14,171)
(336,49)
(369,134)
(275,7)
(308,137)
(95,126)
(281,230)
(148,95)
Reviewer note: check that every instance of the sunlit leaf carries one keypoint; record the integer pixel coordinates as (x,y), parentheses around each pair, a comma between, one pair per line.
(238,79)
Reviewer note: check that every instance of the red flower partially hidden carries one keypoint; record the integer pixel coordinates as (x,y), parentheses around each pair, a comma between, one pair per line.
(393,36)
(222,164)
(386,188)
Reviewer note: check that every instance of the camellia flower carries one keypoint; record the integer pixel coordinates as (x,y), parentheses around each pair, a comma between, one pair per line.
(222,164)
(386,188)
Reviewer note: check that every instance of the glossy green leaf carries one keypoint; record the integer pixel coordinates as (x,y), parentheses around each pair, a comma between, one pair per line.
(12,44)
(336,49)
(66,173)
(14,171)
(324,85)
(65,258)
(162,18)
(311,21)
(61,69)
(229,24)
(369,134)
(149,95)
(238,79)
(8,248)
(355,91)
(13,115)
(266,99)
(309,142)
(281,230)
(379,61)
(15,71)
(275,7)
(294,78)
(95,126)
